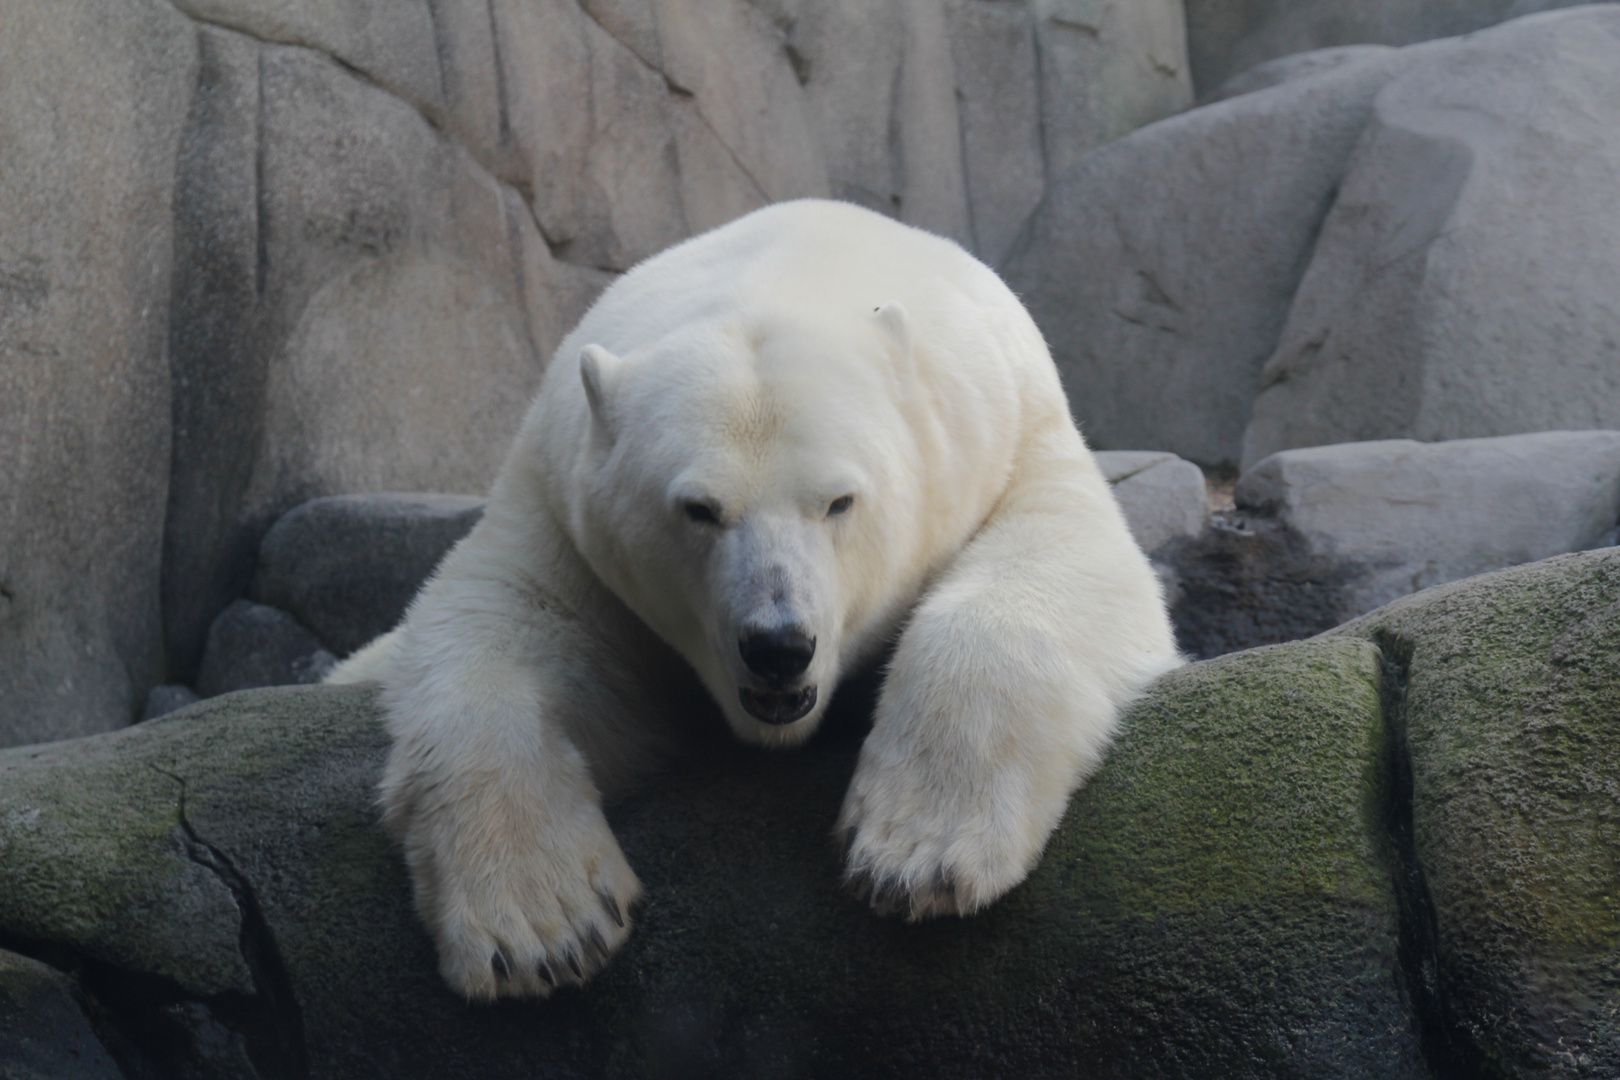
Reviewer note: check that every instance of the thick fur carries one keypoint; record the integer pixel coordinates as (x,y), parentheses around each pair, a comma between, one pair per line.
(874,426)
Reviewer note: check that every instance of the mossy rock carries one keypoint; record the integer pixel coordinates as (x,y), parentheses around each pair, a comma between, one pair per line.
(1511,710)
(1217,902)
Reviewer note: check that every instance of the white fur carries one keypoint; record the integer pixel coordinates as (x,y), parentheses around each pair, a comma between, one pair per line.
(809,351)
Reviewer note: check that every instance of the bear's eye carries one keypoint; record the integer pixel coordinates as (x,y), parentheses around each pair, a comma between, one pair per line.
(701,512)
(839,505)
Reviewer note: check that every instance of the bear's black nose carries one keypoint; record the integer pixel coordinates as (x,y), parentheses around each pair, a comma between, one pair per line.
(777,655)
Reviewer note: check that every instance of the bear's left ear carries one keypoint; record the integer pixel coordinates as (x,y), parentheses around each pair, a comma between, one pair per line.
(597,370)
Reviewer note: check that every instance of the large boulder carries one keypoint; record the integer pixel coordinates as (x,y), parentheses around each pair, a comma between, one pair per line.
(1218,901)
(1504,693)
(1460,287)
(92,104)
(1161,267)
(1368,246)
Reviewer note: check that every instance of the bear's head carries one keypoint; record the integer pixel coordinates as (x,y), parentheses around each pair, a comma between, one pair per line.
(748,488)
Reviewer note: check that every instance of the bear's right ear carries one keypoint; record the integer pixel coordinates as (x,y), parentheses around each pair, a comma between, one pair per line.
(597,370)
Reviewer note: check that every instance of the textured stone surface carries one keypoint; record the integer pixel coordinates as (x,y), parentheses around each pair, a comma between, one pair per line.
(44,1034)
(165,699)
(347,565)
(1295,66)
(1409,515)
(1217,901)
(92,102)
(1162,266)
(1510,702)
(251,645)
(1460,287)
(383,306)
(1164,502)
(1225,37)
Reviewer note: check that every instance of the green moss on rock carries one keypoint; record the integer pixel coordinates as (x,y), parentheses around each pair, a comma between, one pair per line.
(1216,903)
(1512,715)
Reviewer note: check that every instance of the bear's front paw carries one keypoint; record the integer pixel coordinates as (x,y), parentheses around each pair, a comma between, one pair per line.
(520,904)
(920,849)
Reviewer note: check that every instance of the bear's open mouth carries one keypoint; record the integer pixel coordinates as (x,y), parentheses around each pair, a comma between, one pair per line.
(777,706)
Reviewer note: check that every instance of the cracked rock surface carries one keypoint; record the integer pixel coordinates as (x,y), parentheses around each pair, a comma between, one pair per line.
(254,252)
(1364,855)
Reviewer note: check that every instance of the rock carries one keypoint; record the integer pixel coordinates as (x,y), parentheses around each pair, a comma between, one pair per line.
(1409,515)
(92,103)
(251,645)
(1452,253)
(1163,501)
(1225,38)
(346,566)
(1161,308)
(1324,534)
(1117,465)
(44,1034)
(163,700)
(1218,901)
(334,250)
(1295,66)
(1505,691)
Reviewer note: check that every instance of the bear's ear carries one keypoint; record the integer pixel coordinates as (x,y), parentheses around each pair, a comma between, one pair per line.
(894,320)
(597,370)
(896,324)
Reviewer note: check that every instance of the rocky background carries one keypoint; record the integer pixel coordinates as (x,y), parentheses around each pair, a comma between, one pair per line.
(1334,290)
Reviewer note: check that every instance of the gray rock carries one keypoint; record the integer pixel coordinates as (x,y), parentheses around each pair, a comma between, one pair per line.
(1162,307)
(251,645)
(1225,38)
(1409,515)
(334,250)
(1117,465)
(44,1034)
(1237,822)
(163,700)
(1504,692)
(1454,256)
(1288,68)
(92,102)
(346,566)
(1164,502)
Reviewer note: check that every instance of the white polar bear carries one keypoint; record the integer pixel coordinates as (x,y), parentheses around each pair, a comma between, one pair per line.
(766,452)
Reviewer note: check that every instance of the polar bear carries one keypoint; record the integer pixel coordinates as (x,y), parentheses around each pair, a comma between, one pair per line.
(761,457)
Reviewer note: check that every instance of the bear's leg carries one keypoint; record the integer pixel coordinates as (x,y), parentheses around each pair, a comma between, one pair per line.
(493,691)
(1004,690)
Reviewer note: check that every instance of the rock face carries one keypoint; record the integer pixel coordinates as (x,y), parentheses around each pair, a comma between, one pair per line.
(259,251)
(1370,248)
(1504,691)
(1452,254)
(92,105)
(346,566)
(1371,855)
